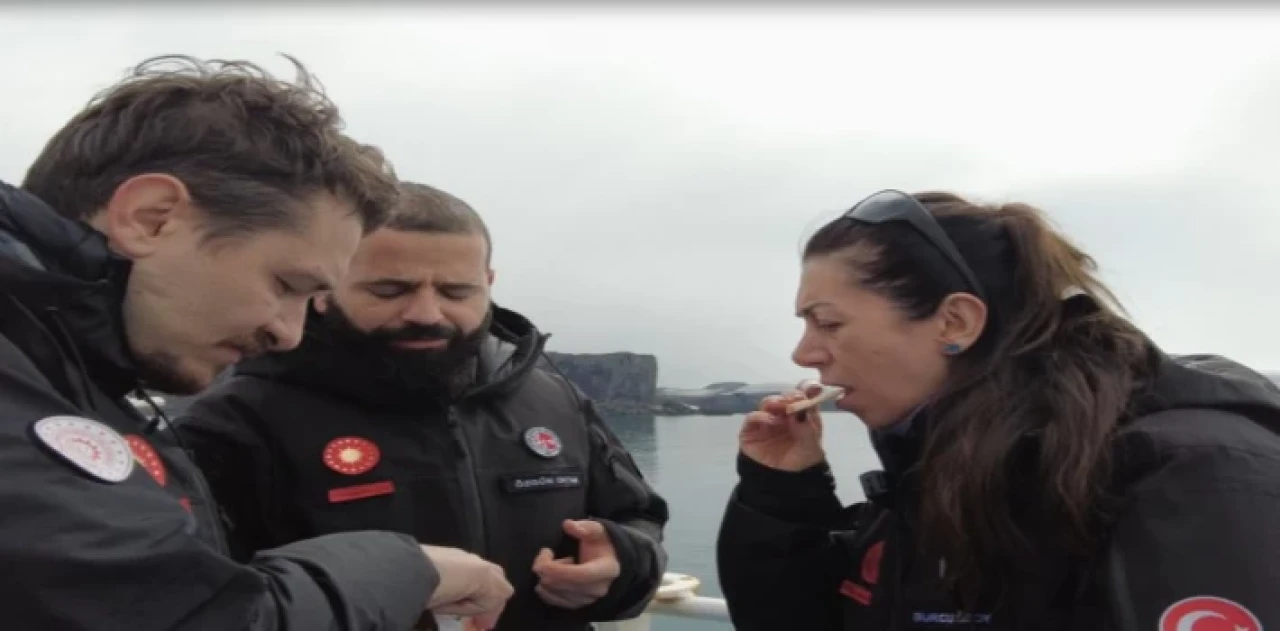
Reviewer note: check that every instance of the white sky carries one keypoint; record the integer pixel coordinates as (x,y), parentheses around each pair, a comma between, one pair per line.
(649,174)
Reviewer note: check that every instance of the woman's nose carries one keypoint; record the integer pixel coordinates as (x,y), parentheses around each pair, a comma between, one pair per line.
(808,355)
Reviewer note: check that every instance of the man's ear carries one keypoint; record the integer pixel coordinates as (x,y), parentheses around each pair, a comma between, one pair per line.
(490,275)
(142,212)
(963,318)
(321,302)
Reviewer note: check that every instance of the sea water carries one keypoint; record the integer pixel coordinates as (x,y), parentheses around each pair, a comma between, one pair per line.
(690,461)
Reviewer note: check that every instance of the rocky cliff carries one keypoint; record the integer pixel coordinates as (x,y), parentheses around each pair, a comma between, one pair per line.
(627,384)
(619,383)
(731,397)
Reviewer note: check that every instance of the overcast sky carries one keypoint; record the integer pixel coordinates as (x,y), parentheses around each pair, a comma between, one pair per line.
(648,175)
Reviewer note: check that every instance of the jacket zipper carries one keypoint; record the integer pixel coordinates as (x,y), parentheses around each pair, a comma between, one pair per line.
(896,609)
(470,488)
(212,511)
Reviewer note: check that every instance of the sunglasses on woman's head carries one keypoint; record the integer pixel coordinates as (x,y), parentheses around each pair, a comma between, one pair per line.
(891,205)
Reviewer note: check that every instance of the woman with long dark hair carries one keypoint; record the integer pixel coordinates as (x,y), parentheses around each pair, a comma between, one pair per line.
(1045,465)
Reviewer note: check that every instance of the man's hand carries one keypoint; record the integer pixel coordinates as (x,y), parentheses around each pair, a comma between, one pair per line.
(563,583)
(469,586)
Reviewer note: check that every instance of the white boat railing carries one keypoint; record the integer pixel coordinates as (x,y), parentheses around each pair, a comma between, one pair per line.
(677,598)
(144,407)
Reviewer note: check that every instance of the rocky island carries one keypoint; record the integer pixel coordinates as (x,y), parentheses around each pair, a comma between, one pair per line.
(721,398)
(627,384)
(619,383)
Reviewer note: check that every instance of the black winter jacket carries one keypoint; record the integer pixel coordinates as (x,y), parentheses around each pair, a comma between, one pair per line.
(495,472)
(137,546)
(1196,538)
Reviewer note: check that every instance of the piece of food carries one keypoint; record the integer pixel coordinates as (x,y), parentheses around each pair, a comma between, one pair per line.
(804,404)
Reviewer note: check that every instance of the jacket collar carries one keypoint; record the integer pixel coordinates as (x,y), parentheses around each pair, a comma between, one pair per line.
(63,274)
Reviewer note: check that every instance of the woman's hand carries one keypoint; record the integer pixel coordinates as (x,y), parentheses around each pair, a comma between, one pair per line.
(777,440)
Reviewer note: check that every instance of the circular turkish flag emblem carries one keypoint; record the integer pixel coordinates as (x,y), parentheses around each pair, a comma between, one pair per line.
(542,441)
(351,455)
(146,456)
(1208,613)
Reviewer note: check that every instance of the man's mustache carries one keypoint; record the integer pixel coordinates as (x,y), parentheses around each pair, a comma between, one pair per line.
(417,333)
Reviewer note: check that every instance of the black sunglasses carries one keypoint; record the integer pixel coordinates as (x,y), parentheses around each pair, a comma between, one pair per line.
(891,205)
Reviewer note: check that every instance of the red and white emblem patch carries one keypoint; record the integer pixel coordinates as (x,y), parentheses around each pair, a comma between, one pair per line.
(148,458)
(1208,613)
(351,455)
(88,445)
(542,441)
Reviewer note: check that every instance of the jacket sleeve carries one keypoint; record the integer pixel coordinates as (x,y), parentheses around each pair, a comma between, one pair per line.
(218,431)
(634,516)
(779,567)
(1198,540)
(84,554)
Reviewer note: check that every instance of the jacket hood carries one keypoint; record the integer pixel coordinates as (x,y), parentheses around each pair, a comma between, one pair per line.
(64,276)
(509,354)
(1213,382)
(1181,382)
(504,361)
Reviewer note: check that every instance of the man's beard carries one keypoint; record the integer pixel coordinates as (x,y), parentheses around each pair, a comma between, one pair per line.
(441,370)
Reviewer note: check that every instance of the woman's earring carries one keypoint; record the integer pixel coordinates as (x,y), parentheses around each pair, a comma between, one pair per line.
(952,349)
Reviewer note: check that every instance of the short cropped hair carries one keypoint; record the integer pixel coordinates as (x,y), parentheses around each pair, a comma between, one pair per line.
(248,146)
(422,208)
